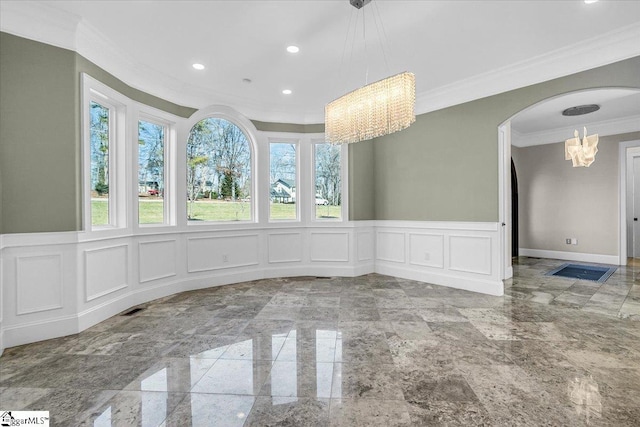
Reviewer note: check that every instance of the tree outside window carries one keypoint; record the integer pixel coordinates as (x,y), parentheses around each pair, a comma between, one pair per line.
(328,182)
(99,154)
(151,188)
(218,172)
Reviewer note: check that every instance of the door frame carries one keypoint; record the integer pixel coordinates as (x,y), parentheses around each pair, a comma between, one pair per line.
(504,190)
(623,155)
(504,198)
(515,237)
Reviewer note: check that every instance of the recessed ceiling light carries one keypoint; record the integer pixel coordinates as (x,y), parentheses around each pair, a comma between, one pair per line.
(293,49)
(287,92)
(198,66)
(590,1)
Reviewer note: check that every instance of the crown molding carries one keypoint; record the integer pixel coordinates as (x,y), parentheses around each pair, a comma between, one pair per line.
(550,136)
(591,53)
(97,48)
(39,22)
(44,23)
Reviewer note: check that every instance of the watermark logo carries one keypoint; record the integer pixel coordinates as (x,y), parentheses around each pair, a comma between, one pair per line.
(24,418)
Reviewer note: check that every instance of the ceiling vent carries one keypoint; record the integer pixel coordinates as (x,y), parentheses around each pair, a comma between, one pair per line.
(580,110)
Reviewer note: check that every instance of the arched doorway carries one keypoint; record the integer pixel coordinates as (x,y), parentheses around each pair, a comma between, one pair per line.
(624,108)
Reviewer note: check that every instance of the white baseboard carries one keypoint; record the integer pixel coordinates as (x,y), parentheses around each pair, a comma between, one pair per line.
(495,288)
(571,256)
(68,325)
(508,272)
(26,333)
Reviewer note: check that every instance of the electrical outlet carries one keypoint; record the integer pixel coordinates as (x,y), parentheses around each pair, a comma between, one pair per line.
(574,241)
(568,241)
(225,258)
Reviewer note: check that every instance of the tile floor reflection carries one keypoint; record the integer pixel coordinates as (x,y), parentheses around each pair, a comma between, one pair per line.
(371,350)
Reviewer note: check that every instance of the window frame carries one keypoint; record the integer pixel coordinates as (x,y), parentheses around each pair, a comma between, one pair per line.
(157,117)
(125,115)
(344,175)
(249,131)
(300,196)
(94,91)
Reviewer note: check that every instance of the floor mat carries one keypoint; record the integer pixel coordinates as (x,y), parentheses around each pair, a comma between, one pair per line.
(583,272)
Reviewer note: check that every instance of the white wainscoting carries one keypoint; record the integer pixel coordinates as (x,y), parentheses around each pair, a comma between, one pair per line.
(329,247)
(218,252)
(284,247)
(56,284)
(426,250)
(157,260)
(471,254)
(456,254)
(390,246)
(38,283)
(105,270)
(365,246)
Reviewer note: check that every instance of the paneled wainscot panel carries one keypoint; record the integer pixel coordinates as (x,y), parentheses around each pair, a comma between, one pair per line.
(157,260)
(364,241)
(39,283)
(390,246)
(214,253)
(105,270)
(426,250)
(330,247)
(285,247)
(471,254)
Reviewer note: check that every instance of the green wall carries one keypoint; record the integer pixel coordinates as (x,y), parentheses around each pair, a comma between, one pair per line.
(361,181)
(445,166)
(85,66)
(39,144)
(288,127)
(40,141)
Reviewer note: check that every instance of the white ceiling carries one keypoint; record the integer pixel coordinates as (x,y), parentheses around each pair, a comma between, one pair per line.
(544,123)
(458,50)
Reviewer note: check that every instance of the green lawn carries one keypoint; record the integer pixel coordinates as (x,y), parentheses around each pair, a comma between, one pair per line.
(99,212)
(151,211)
(328,211)
(283,211)
(288,211)
(214,210)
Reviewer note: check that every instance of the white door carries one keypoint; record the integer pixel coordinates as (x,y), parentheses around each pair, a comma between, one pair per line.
(636,207)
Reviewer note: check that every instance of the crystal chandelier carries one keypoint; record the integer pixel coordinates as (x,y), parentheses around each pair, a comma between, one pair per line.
(376,109)
(581,153)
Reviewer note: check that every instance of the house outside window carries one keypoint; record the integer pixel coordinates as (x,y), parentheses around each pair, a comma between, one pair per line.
(151,172)
(283,168)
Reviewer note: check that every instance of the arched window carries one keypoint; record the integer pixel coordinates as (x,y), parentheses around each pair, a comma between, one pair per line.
(218,172)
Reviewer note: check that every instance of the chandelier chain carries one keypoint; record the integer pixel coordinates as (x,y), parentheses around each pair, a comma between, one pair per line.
(375,109)
(384,40)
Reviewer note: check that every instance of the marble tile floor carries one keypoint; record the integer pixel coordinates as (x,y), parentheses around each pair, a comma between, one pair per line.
(367,351)
(618,296)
